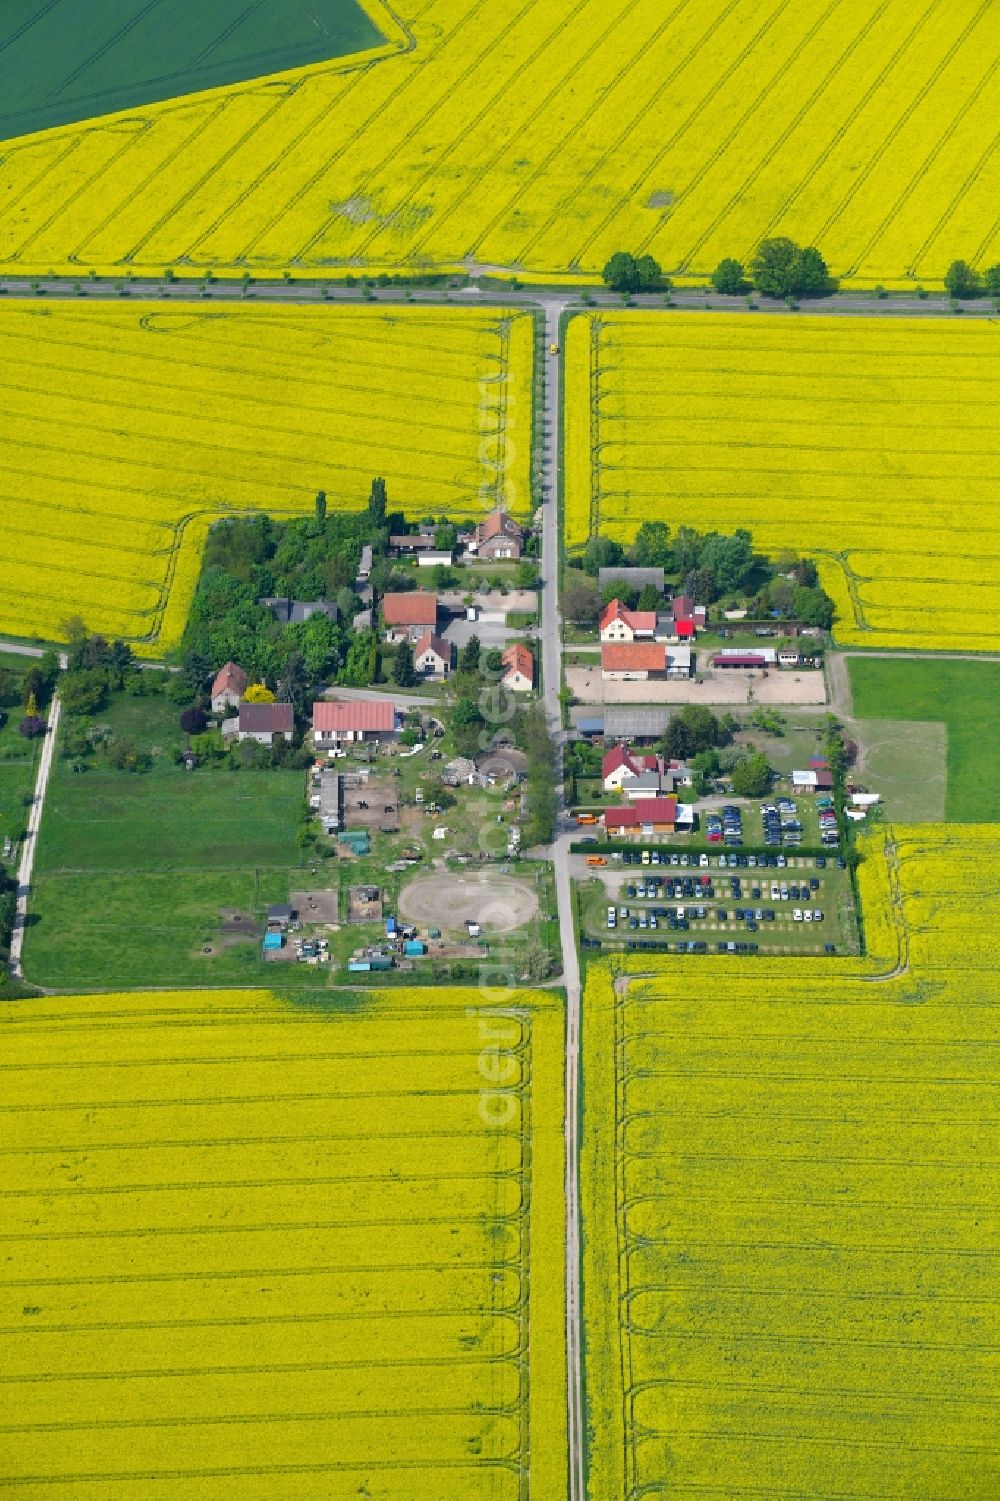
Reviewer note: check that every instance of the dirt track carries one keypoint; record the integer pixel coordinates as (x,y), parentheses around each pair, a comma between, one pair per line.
(446,900)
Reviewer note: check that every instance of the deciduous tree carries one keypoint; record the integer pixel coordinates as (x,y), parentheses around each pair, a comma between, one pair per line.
(729,277)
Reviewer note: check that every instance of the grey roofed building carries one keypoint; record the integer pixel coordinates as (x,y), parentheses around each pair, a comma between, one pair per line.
(625,723)
(330,801)
(649,783)
(298,611)
(637,577)
(365,565)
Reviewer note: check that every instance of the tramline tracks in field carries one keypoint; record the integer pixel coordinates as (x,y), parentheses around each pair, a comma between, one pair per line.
(440,1329)
(710,455)
(152,398)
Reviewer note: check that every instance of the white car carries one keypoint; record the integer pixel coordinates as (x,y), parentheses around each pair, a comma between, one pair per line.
(807,915)
(702,861)
(797,915)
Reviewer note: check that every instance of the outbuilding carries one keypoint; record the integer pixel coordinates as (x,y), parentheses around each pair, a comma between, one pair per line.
(266,723)
(642,820)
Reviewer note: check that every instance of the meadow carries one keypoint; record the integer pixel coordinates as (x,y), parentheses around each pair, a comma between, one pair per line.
(870,446)
(129,428)
(134,872)
(962,696)
(257,1246)
(543,135)
(136,54)
(795,1215)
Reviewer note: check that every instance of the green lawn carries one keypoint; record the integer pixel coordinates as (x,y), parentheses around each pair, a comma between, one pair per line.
(79,58)
(133,871)
(965,698)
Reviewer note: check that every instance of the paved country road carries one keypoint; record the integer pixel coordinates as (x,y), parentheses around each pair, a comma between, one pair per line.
(842,304)
(550,639)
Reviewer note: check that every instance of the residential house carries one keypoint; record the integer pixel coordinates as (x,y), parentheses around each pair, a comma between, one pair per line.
(649,783)
(298,611)
(618,623)
(498,536)
(682,621)
(812,781)
(632,661)
(684,609)
(365,565)
(265,723)
(433,655)
(645,819)
(635,774)
(409,545)
(519,668)
(353,722)
(635,578)
(408,616)
(229,687)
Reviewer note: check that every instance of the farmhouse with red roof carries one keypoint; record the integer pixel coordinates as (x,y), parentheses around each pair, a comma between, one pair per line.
(618,623)
(408,616)
(336,724)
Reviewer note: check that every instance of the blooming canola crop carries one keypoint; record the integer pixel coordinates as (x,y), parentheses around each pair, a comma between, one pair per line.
(866,443)
(260,1249)
(790,1203)
(543,135)
(129,428)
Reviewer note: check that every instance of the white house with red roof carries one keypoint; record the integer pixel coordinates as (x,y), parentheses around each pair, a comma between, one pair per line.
(636,774)
(620,624)
(519,668)
(619,766)
(433,655)
(353,722)
(228,688)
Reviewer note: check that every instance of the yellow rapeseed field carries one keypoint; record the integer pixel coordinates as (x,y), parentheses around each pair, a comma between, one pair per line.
(256,1250)
(792,1221)
(129,427)
(544,135)
(870,445)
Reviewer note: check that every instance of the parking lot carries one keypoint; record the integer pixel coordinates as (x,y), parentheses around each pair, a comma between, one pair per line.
(721,904)
(780,823)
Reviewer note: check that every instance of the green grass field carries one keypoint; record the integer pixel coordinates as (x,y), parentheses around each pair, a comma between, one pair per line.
(965,698)
(72,60)
(134,871)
